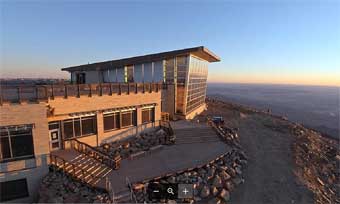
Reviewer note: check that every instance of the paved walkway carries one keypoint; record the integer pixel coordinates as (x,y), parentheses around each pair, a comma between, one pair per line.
(171,158)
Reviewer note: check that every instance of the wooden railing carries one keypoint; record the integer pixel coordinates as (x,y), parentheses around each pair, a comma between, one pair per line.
(132,193)
(81,174)
(72,169)
(18,94)
(166,126)
(95,154)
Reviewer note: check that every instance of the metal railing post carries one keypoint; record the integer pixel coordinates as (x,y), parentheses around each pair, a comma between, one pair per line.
(136,88)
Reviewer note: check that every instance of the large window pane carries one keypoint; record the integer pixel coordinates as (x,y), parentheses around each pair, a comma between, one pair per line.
(77,131)
(68,129)
(5,148)
(147,115)
(15,189)
(22,145)
(126,119)
(88,125)
(109,122)
(16,141)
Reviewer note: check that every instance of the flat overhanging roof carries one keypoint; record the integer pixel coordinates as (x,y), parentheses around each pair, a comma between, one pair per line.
(201,52)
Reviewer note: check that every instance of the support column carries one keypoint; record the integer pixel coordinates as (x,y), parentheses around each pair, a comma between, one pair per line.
(139,115)
(100,128)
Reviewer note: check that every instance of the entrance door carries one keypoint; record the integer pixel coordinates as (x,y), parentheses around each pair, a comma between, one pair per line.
(55,139)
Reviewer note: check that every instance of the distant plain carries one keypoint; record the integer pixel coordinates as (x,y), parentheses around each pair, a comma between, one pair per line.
(316,107)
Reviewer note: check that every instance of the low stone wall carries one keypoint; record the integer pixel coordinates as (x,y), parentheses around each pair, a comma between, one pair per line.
(144,142)
(59,188)
(212,182)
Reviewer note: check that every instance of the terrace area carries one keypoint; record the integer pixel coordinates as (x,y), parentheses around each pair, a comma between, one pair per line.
(37,93)
(195,147)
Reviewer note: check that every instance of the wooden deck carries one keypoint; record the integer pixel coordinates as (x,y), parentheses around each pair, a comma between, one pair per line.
(199,144)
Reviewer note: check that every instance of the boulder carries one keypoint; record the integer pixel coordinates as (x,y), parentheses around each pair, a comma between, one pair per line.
(214,191)
(172,179)
(229,185)
(237,180)
(225,195)
(238,170)
(215,201)
(205,192)
(224,175)
(217,182)
(171,202)
(211,173)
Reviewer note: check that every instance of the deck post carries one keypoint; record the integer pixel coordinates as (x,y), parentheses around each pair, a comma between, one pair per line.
(1,96)
(150,87)
(90,90)
(37,93)
(136,88)
(19,94)
(46,92)
(65,90)
(110,93)
(128,89)
(143,87)
(100,89)
(52,92)
(119,89)
(78,91)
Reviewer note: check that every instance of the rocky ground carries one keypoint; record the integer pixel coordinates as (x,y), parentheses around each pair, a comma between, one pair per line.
(58,188)
(317,164)
(143,142)
(287,163)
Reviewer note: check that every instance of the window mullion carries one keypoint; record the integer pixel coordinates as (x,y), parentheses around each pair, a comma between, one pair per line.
(10,144)
(81,126)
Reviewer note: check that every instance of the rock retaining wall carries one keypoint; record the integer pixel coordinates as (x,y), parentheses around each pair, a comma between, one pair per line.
(59,188)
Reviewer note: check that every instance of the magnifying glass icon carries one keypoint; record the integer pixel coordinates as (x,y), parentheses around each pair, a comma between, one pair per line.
(170,191)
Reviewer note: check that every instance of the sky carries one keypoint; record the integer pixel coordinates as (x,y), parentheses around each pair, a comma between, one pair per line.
(268,41)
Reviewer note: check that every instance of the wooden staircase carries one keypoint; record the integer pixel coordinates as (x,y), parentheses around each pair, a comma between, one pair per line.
(83,168)
(197,135)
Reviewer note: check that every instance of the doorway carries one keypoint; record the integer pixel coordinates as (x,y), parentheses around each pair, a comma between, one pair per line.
(55,137)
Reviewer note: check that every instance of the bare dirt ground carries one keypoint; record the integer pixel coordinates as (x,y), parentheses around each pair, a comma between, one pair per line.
(269,177)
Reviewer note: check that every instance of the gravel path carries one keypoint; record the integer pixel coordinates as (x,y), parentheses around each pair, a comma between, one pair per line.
(269,177)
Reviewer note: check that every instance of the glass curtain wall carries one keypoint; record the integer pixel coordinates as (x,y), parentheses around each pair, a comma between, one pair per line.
(197,84)
(182,63)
